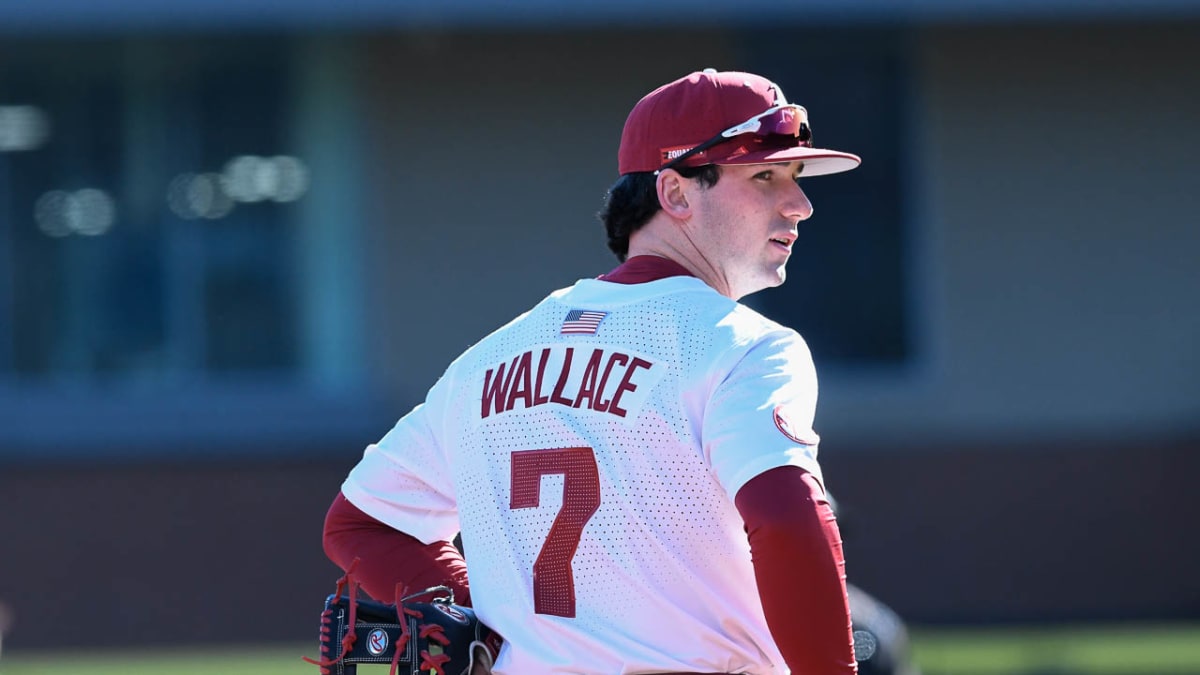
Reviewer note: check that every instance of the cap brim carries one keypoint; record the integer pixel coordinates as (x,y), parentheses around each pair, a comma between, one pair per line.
(817,161)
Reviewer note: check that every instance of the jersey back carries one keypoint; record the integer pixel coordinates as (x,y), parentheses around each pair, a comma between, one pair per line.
(589,452)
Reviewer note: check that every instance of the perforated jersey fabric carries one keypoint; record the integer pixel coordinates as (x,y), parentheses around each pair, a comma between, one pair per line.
(589,452)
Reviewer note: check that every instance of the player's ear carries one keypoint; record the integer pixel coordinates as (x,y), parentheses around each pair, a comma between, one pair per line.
(672,194)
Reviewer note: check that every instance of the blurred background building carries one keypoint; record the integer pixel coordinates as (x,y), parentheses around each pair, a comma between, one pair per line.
(239,239)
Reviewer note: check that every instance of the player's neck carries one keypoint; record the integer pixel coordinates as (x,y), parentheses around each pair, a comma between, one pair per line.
(644,268)
(665,238)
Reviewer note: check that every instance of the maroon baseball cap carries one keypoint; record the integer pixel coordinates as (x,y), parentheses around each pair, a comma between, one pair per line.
(712,117)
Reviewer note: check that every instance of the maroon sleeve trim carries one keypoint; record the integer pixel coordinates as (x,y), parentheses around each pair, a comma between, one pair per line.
(799,568)
(388,557)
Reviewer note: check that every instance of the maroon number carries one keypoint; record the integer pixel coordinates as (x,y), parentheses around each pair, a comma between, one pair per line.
(553,581)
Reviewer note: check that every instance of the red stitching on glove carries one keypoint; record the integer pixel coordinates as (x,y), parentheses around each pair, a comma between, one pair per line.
(402,614)
(436,633)
(347,581)
(430,632)
(434,663)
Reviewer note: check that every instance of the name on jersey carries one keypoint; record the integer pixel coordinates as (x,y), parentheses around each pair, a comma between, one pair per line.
(600,380)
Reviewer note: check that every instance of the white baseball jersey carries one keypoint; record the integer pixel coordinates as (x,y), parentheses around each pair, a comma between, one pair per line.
(590,451)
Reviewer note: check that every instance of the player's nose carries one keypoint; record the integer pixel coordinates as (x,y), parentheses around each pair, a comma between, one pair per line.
(797,207)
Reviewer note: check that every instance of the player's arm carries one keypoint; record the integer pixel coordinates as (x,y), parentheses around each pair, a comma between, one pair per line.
(388,556)
(798,565)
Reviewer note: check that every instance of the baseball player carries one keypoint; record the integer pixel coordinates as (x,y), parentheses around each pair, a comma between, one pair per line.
(632,463)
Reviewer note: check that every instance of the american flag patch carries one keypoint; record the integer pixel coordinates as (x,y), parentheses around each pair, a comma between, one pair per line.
(582,322)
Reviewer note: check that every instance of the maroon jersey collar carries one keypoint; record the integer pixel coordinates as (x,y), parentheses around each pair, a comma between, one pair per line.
(642,268)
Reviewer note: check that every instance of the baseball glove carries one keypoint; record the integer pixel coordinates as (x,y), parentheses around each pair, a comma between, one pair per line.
(434,636)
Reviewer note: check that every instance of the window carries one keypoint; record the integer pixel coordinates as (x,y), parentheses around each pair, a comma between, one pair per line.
(159,215)
(847,287)
(147,205)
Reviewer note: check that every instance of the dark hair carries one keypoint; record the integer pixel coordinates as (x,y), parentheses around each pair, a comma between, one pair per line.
(633,199)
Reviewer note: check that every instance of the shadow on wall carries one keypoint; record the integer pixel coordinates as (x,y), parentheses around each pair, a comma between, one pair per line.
(1024,532)
(162,554)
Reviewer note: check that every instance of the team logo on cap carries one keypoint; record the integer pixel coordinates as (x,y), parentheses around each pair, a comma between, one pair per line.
(784,422)
(377,641)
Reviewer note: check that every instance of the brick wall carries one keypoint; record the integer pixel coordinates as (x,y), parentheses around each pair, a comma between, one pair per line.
(216,552)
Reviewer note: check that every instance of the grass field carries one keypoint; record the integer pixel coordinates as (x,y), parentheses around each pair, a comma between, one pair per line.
(1132,650)
(1140,650)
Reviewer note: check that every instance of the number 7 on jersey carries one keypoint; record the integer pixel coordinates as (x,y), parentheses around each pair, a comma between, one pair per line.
(553,581)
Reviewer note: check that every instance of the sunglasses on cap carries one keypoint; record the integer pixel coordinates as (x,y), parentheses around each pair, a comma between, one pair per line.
(788,119)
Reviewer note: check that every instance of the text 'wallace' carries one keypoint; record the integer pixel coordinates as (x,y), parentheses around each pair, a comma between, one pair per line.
(589,379)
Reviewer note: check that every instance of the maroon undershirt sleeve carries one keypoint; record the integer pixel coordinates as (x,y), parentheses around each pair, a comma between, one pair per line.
(388,556)
(797,553)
